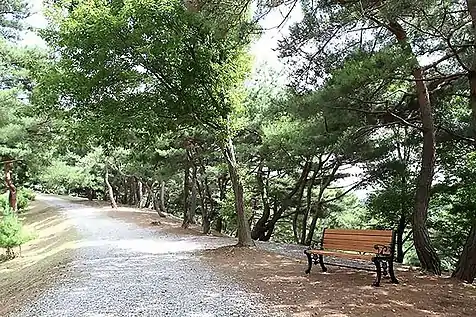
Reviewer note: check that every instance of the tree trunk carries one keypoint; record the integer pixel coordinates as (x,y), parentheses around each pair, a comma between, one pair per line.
(204,207)
(219,224)
(148,199)
(156,206)
(162,197)
(297,213)
(12,191)
(244,232)
(299,187)
(312,227)
(466,267)
(403,221)
(304,220)
(206,224)
(110,190)
(190,213)
(399,243)
(295,227)
(259,228)
(427,255)
(131,190)
(139,193)
(193,202)
(206,203)
(155,202)
(472,72)
(186,195)
(125,197)
(89,193)
(308,207)
(222,189)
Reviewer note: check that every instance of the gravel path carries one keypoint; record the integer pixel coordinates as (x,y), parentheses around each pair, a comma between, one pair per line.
(123,270)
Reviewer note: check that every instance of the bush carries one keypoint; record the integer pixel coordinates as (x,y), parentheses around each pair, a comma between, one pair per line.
(22,202)
(4,204)
(24,196)
(12,233)
(27,193)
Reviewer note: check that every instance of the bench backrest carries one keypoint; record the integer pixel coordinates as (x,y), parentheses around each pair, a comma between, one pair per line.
(358,240)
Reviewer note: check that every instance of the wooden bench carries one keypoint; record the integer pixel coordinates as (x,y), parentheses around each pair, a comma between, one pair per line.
(376,246)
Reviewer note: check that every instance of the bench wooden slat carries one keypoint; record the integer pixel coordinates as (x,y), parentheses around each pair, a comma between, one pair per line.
(366,241)
(353,247)
(357,246)
(356,238)
(342,254)
(384,233)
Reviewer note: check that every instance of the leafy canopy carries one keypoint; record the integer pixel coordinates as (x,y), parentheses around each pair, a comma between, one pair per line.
(144,67)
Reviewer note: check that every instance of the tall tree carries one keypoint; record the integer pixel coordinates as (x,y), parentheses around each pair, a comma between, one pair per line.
(466,266)
(117,52)
(334,39)
(18,124)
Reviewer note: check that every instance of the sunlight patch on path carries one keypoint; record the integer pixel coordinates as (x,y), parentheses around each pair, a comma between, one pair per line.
(151,246)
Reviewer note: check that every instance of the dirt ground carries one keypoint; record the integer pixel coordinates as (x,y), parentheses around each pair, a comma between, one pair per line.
(343,292)
(340,292)
(44,256)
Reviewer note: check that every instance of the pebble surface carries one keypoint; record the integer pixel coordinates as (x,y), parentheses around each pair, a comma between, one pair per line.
(120,269)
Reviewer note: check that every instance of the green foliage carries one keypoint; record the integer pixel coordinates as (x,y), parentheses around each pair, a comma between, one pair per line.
(348,212)
(453,204)
(22,131)
(227,212)
(4,204)
(62,178)
(12,233)
(179,69)
(24,196)
(12,14)
(22,202)
(27,193)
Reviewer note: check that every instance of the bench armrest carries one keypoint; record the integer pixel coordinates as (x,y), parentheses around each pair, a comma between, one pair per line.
(315,246)
(383,250)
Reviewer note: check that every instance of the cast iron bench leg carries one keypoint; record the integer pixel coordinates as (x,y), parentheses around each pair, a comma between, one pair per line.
(321,262)
(309,262)
(392,273)
(384,268)
(379,272)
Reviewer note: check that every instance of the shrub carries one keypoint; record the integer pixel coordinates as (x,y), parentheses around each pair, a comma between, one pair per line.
(27,193)
(4,204)
(24,196)
(12,233)
(22,202)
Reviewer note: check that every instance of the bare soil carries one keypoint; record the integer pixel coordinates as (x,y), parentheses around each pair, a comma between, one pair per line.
(340,292)
(23,278)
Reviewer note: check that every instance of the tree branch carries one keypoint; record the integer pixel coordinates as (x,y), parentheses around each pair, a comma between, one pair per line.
(346,192)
